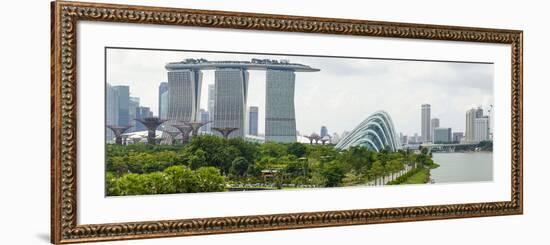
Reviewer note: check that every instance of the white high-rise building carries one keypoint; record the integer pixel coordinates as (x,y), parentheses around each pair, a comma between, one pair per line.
(425,132)
(477,126)
(230,107)
(211,106)
(470,125)
(184,95)
(481,131)
(280,122)
(253,114)
(434,123)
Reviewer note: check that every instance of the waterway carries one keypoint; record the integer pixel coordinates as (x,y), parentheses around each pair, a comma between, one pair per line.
(463,167)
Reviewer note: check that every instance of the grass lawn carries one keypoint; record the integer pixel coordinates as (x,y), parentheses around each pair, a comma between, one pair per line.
(421,177)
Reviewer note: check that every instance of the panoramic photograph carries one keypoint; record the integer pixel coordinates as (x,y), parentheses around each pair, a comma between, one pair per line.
(185,121)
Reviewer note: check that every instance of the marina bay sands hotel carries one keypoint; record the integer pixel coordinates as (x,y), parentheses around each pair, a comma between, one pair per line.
(231,85)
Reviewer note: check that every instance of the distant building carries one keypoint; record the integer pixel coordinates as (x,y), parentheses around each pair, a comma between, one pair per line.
(425,123)
(117,107)
(434,123)
(184,87)
(477,126)
(163,100)
(229,110)
(163,109)
(253,120)
(123,103)
(111,111)
(442,135)
(280,121)
(416,139)
(479,112)
(141,113)
(134,104)
(335,138)
(470,125)
(205,117)
(457,136)
(211,105)
(403,138)
(324,131)
(481,129)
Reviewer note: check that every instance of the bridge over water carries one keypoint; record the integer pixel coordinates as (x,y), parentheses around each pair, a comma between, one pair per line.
(441,147)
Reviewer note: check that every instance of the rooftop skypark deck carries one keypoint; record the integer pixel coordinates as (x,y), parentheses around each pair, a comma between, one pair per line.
(254,64)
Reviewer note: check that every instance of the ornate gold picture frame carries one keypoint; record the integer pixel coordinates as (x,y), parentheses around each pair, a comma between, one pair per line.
(64,187)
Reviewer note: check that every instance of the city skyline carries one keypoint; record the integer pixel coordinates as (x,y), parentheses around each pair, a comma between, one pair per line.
(321,96)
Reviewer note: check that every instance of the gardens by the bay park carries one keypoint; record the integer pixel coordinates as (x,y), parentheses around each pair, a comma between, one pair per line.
(215,164)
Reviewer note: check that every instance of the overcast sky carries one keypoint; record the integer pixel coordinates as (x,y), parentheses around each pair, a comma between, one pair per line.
(340,96)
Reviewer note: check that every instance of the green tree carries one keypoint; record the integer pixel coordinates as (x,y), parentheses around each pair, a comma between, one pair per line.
(352,178)
(132,184)
(239,166)
(297,149)
(157,183)
(295,168)
(376,171)
(182,179)
(247,150)
(210,179)
(111,184)
(358,159)
(272,149)
(118,165)
(394,166)
(333,173)
(197,159)
(254,170)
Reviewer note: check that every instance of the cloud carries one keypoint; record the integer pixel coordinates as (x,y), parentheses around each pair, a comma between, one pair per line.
(341,95)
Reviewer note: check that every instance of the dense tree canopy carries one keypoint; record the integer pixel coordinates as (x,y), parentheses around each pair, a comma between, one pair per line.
(211,163)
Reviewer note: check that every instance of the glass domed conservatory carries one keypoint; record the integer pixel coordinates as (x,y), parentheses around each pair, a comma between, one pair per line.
(376,133)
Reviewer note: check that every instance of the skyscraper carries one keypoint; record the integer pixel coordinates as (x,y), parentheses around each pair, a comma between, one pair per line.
(117,111)
(230,94)
(163,100)
(184,94)
(335,138)
(470,125)
(133,107)
(280,122)
(211,105)
(434,123)
(142,112)
(442,135)
(425,123)
(253,120)
(457,136)
(231,86)
(324,131)
(481,131)
(163,109)
(205,117)
(123,101)
(111,110)
(479,112)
